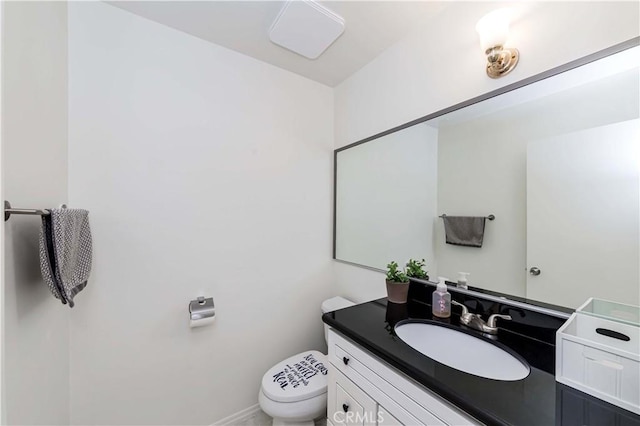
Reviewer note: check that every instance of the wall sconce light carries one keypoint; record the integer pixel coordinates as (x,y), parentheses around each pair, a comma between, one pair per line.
(493,29)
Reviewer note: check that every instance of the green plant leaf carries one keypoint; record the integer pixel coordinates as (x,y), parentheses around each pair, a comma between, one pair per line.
(415,269)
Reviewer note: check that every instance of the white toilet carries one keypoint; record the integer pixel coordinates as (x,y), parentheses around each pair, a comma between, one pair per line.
(294,391)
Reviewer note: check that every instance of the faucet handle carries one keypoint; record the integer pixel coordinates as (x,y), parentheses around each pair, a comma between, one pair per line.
(465,311)
(491,322)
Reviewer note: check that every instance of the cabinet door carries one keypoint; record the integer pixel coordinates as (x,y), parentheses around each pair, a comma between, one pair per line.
(347,404)
(386,419)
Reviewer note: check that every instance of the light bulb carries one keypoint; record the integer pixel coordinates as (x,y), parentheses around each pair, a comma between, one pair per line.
(493,29)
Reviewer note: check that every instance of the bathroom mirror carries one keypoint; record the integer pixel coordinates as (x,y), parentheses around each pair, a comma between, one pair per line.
(556,160)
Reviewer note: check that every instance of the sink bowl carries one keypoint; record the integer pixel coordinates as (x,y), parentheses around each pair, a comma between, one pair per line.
(462,351)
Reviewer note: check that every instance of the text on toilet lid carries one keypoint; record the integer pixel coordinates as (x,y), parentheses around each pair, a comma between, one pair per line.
(299,373)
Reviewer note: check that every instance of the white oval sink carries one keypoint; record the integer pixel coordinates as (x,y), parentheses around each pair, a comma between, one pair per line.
(462,351)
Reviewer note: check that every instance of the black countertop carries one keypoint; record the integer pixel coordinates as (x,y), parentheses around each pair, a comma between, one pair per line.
(535,400)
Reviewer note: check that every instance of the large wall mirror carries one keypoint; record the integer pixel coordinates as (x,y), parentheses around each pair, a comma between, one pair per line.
(556,161)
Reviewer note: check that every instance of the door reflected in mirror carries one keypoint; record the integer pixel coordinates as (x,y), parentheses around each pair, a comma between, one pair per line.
(558,164)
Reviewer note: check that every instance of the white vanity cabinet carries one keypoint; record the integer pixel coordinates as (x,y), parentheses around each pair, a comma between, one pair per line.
(366,391)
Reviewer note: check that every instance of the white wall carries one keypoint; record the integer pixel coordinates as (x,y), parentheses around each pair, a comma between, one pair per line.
(206,173)
(418,76)
(34,162)
(372,231)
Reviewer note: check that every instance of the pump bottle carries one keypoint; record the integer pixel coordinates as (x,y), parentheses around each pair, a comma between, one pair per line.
(441,301)
(462,279)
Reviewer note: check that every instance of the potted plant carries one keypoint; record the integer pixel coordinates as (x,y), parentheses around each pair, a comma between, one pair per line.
(415,269)
(397,284)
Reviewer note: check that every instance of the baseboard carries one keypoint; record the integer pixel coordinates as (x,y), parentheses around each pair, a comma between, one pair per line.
(241,417)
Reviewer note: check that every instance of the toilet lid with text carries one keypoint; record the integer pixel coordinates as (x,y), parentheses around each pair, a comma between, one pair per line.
(297,378)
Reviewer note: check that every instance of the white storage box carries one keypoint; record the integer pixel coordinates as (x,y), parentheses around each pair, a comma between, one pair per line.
(598,352)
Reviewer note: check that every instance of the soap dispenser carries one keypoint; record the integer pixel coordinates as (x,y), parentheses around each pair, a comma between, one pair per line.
(441,301)
(462,279)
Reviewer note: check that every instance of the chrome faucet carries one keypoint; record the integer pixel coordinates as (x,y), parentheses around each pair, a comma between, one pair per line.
(476,322)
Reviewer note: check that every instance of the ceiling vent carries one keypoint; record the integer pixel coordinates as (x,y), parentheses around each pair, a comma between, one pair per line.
(306,28)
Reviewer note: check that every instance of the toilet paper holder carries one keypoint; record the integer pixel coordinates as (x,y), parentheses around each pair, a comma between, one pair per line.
(201,308)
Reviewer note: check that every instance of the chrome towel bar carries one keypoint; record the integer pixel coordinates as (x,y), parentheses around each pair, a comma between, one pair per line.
(8,211)
(490,217)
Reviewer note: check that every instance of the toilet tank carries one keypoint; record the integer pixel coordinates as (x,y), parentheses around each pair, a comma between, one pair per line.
(331,305)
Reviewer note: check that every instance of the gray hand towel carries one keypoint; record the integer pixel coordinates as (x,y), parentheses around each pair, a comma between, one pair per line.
(65,252)
(47,261)
(464,230)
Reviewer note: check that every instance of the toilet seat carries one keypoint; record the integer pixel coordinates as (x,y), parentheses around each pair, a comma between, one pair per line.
(297,378)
